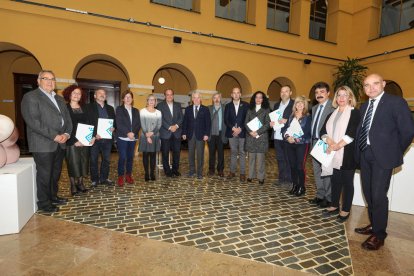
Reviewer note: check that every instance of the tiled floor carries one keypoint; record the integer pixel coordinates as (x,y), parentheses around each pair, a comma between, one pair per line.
(241,229)
(257,222)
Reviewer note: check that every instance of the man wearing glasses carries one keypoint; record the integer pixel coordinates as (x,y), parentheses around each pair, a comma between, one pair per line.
(48,126)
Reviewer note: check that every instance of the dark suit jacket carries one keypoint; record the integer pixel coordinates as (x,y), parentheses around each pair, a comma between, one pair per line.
(124,124)
(44,121)
(230,118)
(326,111)
(305,124)
(223,125)
(391,132)
(169,120)
(286,113)
(201,126)
(94,115)
(348,162)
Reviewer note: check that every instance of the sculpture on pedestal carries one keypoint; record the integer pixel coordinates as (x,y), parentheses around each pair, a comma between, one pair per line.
(9,151)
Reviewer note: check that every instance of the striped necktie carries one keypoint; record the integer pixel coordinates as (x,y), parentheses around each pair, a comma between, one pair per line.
(365,127)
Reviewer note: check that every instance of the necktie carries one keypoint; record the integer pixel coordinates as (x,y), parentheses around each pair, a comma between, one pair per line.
(315,126)
(196,112)
(365,127)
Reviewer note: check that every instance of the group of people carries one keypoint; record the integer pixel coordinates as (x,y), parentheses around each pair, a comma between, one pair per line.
(373,139)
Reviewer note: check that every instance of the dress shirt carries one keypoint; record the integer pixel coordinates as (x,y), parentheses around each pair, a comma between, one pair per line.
(236,107)
(282,107)
(320,116)
(220,115)
(196,107)
(376,102)
(171,107)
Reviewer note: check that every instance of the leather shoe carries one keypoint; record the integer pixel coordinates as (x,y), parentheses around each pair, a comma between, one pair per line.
(261,182)
(242,177)
(221,174)
(249,180)
(367,230)
(326,213)
(49,209)
(231,175)
(301,191)
(372,243)
(176,173)
(315,200)
(294,189)
(342,218)
(324,204)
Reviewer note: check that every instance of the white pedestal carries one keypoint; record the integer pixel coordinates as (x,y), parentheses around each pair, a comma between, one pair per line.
(401,191)
(17,195)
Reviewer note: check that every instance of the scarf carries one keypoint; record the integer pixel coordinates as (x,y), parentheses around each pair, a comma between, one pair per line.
(340,129)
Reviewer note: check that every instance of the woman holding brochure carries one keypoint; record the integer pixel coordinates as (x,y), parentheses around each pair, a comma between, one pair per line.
(257,142)
(77,154)
(149,142)
(338,133)
(297,133)
(128,125)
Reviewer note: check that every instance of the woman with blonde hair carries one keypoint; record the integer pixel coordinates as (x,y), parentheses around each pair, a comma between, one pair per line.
(339,133)
(298,144)
(149,142)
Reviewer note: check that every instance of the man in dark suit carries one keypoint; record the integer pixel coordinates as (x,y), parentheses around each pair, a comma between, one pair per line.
(99,109)
(319,114)
(170,133)
(285,105)
(217,137)
(234,117)
(48,126)
(196,128)
(383,135)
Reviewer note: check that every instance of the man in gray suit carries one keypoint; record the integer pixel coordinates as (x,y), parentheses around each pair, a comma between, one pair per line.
(48,126)
(170,133)
(217,137)
(319,114)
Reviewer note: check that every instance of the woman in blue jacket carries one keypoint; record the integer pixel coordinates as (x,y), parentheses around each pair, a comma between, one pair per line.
(298,143)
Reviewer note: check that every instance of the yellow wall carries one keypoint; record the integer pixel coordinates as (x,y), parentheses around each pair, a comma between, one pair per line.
(64,41)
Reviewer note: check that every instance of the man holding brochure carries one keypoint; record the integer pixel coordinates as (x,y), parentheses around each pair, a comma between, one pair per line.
(102,117)
(319,114)
(284,110)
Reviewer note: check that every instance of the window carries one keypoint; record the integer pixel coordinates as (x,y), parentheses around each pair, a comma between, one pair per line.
(181,4)
(232,9)
(396,16)
(278,12)
(317,27)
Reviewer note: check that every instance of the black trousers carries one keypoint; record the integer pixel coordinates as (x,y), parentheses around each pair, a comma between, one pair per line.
(148,158)
(172,144)
(343,182)
(282,160)
(215,145)
(375,185)
(48,169)
(297,158)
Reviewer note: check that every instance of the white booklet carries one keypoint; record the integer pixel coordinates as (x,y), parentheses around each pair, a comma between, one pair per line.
(255,125)
(104,128)
(84,134)
(275,116)
(295,130)
(319,152)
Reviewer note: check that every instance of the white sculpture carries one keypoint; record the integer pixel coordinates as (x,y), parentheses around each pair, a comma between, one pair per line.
(9,151)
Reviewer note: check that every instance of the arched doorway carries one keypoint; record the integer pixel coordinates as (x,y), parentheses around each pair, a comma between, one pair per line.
(102,71)
(393,88)
(176,77)
(273,91)
(19,69)
(232,79)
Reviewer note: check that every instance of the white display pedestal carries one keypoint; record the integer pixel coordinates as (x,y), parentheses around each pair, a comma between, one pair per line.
(401,192)
(17,195)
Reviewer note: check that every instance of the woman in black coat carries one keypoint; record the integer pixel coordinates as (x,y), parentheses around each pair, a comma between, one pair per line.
(339,133)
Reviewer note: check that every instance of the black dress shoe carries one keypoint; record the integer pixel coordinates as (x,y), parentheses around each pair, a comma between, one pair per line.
(61,199)
(315,200)
(249,180)
(169,174)
(294,189)
(372,243)
(300,191)
(324,204)
(367,230)
(49,209)
(261,182)
(342,218)
(176,173)
(58,202)
(326,213)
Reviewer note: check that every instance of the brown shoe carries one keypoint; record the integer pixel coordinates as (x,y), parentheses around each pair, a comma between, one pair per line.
(231,175)
(221,174)
(211,173)
(372,243)
(367,230)
(242,177)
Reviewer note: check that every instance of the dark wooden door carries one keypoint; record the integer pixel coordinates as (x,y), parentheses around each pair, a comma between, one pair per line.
(23,83)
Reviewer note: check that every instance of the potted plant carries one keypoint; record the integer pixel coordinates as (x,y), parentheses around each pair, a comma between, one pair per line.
(350,73)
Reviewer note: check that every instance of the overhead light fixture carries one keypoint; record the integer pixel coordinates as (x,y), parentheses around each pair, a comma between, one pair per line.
(161,79)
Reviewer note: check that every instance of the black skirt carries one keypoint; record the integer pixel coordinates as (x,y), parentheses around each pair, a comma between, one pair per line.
(77,160)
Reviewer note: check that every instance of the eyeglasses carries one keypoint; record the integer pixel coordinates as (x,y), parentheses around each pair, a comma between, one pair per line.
(47,79)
